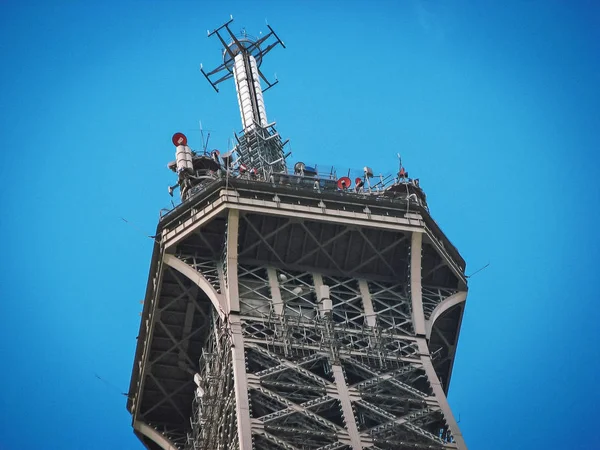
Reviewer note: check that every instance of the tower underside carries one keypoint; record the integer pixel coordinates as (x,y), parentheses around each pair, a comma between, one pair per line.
(308,321)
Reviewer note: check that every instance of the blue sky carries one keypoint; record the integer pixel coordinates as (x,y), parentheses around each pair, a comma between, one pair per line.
(495,106)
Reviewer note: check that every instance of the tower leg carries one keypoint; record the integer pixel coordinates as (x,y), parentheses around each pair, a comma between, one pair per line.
(438,391)
(241,385)
(420,330)
(233,311)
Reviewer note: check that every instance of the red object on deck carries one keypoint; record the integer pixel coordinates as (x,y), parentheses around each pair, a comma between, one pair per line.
(179,139)
(344,183)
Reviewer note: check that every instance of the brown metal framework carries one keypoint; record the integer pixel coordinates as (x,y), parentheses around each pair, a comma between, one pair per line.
(314,321)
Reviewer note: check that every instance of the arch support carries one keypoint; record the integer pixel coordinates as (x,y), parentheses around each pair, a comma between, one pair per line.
(442,307)
(154,435)
(197,278)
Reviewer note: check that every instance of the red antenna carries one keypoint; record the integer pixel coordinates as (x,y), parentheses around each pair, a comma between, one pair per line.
(179,139)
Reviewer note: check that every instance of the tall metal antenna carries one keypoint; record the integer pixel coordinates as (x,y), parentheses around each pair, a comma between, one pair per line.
(259,145)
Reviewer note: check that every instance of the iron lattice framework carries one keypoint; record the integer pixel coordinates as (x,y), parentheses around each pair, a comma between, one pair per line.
(213,411)
(286,312)
(236,296)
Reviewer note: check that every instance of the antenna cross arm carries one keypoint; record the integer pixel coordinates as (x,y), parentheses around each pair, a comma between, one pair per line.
(221,27)
(276,37)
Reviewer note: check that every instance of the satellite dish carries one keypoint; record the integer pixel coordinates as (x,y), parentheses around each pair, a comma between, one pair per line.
(282,278)
(357,181)
(197,379)
(297,290)
(179,139)
(344,183)
(243,168)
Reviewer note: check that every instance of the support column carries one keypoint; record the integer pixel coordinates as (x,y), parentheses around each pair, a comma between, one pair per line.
(242,403)
(275,291)
(318,283)
(415,284)
(344,396)
(233,296)
(440,396)
(367,303)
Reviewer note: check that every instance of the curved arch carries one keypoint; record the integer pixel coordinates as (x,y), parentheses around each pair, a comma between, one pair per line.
(444,306)
(154,435)
(197,278)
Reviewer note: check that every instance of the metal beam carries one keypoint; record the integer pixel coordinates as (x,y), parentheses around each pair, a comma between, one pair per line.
(320,246)
(242,404)
(442,307)
(367,303)
(160,439)
(167,397)
(233,224)
(415,284)
(438,391)
(374,248)
(264,237)
(171,237)
(344,397)
(196,277)
(237,348)
(230,199)
(275,291)
(187,326)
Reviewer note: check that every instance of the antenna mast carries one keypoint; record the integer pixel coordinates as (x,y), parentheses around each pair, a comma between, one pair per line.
(259,145)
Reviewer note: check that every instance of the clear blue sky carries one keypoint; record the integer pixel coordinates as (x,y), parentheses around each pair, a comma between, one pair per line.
(495,106)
